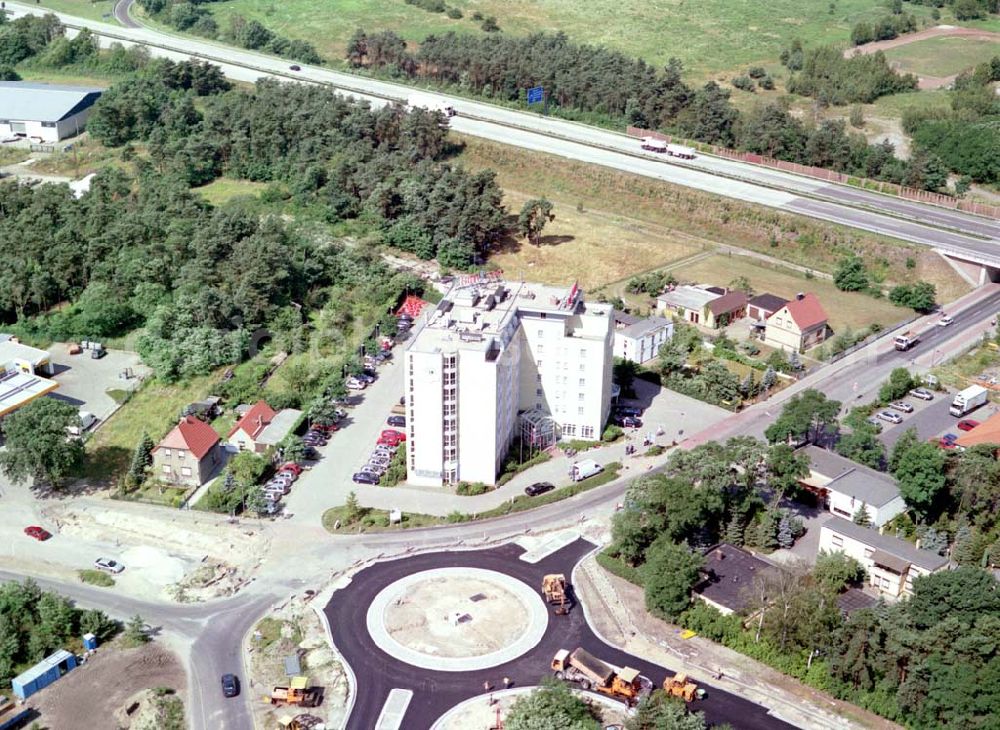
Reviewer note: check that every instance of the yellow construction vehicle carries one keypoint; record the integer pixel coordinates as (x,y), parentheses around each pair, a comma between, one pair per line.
(298,692)
(679,686)
(583,668)
(556,592)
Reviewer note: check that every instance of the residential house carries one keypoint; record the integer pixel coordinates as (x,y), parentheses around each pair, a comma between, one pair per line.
(686,302)
(987,432)
(842,486)
(638,339)
(762,306)
(892,564)
(281,425)
(799,325)
(248,429)
(190,454)
(725,310)
(727,578)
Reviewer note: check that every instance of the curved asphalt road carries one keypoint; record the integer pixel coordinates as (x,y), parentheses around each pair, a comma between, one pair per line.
(434,692)
(122,8)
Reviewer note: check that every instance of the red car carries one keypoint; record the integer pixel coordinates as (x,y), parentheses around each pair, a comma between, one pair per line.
(292,467)
(966,425)
(326,428)
(39,533)
(392,434)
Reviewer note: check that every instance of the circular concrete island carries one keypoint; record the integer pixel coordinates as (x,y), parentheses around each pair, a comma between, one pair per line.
(457,619)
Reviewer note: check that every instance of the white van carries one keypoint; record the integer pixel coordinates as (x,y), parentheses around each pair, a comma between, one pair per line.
(583,469)
(87,420)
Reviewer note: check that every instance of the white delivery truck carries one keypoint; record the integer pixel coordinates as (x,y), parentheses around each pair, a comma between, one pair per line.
(968,400)
(679,150)
(905,341)
(652,144)
(583,469)
(419,101)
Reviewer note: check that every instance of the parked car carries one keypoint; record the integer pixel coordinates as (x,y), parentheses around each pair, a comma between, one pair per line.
(230,685)
(626,421)
(634,411)
(313,433)
(292,467)
(295,67)
(355,384)
(399,421)
(112,566)
(874,422)
(902,405)
(314,439)
(273,495)
(310,453)
(39,533)
(278,487)
(270,507)
(539,488)
(890,417)
(289,475)
(945,320)
(385,449)
(366,378)
(379,460)
(324,428)
(966,424)
(376,469)
(950,437)
(365,477)
(393,434)
(922,394)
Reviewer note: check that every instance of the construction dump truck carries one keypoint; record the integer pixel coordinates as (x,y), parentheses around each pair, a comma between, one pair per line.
(590,673)
(298,692)
(679,686)
(555,590)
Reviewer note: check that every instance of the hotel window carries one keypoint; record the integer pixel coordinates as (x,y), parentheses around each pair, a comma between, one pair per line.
(538,391)
(569,429)
(587,432)
(583,382)
(579,396)
(579,411)
(541,333)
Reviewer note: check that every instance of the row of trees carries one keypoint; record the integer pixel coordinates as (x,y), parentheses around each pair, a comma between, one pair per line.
(832,79)
(965,9)
(851,274)
(597,83)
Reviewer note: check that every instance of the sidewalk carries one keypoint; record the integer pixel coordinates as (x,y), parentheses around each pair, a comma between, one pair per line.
(615,609)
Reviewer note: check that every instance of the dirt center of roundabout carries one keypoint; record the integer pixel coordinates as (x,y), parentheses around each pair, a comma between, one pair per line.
(455,616)
(456,619)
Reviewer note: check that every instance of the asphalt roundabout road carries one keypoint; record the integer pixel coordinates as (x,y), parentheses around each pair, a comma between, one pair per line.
(436,691)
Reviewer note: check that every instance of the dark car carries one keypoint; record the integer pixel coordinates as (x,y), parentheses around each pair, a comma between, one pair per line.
(626,421)
(628,411)
(399,421)
(365,477)
(230,685)
(539,488)
(295,67)
(310,454)
(365,377)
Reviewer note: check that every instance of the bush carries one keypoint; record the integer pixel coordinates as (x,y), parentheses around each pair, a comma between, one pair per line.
(454,13)
(96,578)
(756,72)
(471,489)
(744,83)
(611,433)
(616,567)
(655,450)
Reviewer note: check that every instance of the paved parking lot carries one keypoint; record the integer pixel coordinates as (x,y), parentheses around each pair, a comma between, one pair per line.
(85,382)
(931,418)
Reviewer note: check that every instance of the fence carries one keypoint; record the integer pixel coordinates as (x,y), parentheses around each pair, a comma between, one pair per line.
(888,188)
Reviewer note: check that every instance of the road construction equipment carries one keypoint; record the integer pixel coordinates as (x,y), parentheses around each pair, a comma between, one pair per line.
(298,692)
(555,591)
(679,686)
(590,673)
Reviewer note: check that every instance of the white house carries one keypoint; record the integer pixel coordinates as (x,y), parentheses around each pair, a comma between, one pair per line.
(49,112)
(892,564)
(843,486)
(639,339)
(496,359)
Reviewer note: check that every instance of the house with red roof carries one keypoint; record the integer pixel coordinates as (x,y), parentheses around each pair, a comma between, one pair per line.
(799,325)
(245,434)
(190,454)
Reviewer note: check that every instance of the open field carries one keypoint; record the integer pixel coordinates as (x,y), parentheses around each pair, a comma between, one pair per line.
(93,9)
(225,189)
(845,309)
(941,56)
(682,221)
(708,36)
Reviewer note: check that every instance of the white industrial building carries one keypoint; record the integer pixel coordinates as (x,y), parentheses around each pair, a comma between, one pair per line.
(498,359)
(47,112)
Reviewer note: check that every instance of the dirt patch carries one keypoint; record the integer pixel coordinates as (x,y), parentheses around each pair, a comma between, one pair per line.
(482,713)
(111,680)
(456,617)
(294,629)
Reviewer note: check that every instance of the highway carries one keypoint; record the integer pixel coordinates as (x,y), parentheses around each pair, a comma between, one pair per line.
(965,235)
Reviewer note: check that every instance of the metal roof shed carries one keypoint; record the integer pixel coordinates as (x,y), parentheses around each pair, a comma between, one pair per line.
(43,674)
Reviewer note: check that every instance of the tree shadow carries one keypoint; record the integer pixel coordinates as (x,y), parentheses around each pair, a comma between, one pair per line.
(554,240)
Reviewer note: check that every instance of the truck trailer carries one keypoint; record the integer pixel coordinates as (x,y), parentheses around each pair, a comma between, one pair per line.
(905,341)
(431,104)
(968,400)
(590,673)
(652,144)
(679,150)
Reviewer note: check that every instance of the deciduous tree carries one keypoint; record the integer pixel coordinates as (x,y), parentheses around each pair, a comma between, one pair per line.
(37,446)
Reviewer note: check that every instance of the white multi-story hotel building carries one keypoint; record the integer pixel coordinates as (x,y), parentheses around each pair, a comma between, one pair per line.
(496,359)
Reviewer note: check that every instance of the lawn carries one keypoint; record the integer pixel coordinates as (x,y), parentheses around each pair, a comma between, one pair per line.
(93,9)
(942,56)
(709,36)
(845,309)
(629,213)
(154,409)
(224,189)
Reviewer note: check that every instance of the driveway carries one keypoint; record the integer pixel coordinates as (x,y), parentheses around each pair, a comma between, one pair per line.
(86,383)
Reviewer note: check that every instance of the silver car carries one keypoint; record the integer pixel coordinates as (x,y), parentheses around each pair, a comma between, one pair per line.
(111,566)
(922,394)
(890,417)
(902,405)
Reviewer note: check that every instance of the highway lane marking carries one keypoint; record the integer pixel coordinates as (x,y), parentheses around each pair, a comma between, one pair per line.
(391,717)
